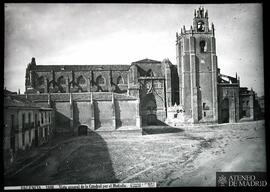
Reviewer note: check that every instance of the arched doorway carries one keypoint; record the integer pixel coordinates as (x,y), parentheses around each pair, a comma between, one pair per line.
(82,130)
(149,109)
(151,119)
(225,114)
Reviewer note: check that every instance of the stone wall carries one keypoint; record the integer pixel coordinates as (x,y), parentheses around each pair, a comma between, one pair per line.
(125,111)
(228,101)
(63,116)
(99,111)
(104,115)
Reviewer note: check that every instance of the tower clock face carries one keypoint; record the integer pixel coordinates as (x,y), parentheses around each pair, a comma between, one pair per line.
(200,26)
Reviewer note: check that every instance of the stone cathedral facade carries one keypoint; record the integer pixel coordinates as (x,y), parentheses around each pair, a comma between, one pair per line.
(146,92)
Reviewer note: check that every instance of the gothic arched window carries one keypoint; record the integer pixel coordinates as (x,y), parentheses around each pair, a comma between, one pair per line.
(61,80)
(40,80)
(157,84)
(120,80)
(51,85)
(81,80)
(150,73)
(100,80)
(202,46)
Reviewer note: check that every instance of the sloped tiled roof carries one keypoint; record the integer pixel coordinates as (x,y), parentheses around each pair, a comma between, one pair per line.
(42,68)
(9,92)
(226,79)
(21,102)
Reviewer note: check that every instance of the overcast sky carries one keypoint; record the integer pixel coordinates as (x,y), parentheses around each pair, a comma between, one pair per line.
(122,33)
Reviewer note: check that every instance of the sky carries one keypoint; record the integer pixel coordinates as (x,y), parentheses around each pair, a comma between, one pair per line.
(82,34)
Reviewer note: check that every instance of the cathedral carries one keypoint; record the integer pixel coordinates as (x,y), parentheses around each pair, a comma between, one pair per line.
(145,92)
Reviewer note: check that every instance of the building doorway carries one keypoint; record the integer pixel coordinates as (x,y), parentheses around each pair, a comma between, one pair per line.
(36,130)
(82,130)
(149,110)
(225,114)
(12,134)
(151,119)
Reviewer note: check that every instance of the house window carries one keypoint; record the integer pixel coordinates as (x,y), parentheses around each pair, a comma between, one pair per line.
(247,102)
(46,133)
(35,119)
(12,124)
(12,134)
(204,105)
(204,114)
(49,117)
(45,116)
(41,118)
(23,121)
(23,138)
(29,135)
(29,119)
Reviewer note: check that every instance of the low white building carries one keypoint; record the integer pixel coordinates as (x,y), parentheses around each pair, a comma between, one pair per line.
(25,125)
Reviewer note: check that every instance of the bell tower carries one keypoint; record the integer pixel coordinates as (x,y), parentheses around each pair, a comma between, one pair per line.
(197,70)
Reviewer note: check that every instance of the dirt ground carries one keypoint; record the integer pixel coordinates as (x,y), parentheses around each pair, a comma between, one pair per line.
(184,156)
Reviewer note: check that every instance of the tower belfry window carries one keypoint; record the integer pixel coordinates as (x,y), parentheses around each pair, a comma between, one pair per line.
(204,105)
(200,26)
(202,46)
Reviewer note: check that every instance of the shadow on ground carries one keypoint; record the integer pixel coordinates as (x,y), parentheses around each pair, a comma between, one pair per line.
(82,159)
(160,130)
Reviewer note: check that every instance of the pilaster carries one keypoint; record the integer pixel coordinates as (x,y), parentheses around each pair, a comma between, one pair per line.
(88,85)
(168,85)
(193,86)
(71,112)
(251,106)
(46,85)
(67,85)
(113,113)
(138,117)
(92,109)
